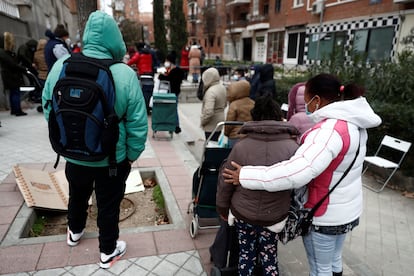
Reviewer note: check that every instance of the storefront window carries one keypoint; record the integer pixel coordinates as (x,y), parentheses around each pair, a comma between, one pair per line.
(375,43)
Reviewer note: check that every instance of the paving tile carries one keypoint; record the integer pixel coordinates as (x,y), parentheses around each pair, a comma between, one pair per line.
(148,162)
(54,255)
(3,230)
(148,263)
(8,213)
(88,270)
(135,270)
(179,180)
(173,241)
(118,268)
(181,193)
(140,244)
(170,160)
(176,171)
(11,198)
(86,252)
(205,238)
(50,272)
(19,258)
(193,264)
(11,187)
(165,268)
(178,258)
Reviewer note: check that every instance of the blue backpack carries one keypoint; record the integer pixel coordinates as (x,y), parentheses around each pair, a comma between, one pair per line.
(83,124)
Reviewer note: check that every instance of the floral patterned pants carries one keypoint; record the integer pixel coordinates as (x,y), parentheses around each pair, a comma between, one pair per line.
(256,242)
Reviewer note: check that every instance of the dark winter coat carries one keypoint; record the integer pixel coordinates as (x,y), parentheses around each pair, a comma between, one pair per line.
(11,71)
(266,143)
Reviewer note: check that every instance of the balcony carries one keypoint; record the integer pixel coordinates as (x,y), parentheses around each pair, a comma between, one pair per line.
(258,22)
(231,3)
(234,27)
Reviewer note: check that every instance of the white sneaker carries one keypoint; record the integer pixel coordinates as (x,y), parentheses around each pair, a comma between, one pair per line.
(73,239)
(108,260)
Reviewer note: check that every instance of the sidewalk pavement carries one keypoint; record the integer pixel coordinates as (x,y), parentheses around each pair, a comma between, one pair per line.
(381,245)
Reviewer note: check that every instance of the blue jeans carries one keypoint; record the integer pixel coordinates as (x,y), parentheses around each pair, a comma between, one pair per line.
(324,253)
(14,98)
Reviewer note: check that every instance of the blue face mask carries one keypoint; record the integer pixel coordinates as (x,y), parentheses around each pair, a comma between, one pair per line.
(306,106)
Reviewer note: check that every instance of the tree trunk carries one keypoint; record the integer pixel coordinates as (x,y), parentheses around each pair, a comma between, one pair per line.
(84,8)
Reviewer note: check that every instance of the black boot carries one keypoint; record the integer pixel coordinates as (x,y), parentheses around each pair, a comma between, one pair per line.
(337,273)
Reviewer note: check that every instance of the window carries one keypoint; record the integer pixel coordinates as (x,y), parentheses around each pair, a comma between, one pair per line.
(297,3)
(266,9)
(329,43)
(278,5)
(255,7)
(219,41)
(375,43)
(295,47)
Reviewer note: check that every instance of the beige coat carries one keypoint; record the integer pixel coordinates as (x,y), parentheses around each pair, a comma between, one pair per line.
(240,106)
(214,100)
(39,59)
(194,59)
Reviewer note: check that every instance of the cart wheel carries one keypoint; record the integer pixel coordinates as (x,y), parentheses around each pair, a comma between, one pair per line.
(215,271)
(193,228)
(39,109)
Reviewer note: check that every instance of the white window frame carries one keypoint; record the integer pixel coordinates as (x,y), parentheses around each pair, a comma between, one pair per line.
(298,3)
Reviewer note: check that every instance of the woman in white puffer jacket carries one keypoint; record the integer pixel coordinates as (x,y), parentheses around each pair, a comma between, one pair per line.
(342,116)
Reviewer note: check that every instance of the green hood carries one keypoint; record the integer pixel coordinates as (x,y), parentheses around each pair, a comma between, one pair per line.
(102,37)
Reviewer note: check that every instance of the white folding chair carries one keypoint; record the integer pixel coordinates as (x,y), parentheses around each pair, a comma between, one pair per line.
(377,160)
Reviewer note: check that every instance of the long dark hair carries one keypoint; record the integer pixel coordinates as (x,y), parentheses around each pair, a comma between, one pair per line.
(330,88)
(266,108)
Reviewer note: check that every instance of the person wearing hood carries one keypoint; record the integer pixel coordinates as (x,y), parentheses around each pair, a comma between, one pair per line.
(214,102)
(102,39)
(342,116)
(11,72)
(259,215)
(39,61)
(296,114)
(57,45)
(25,55)
(240,107)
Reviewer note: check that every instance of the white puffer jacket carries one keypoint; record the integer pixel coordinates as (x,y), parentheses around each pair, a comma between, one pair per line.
(326,152)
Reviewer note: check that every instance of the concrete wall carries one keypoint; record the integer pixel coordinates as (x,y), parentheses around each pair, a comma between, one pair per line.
(35,18)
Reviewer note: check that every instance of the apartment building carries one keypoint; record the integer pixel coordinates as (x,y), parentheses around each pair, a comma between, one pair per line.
(296,32)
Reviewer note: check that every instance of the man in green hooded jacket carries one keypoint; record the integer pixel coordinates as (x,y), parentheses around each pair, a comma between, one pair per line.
(103,40)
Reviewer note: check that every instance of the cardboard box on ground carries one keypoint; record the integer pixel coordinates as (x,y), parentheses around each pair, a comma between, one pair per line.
(50,190)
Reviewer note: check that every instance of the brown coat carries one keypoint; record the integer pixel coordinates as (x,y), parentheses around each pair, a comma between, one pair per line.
(239,109)
(266,143)
(194,57)
(39,59)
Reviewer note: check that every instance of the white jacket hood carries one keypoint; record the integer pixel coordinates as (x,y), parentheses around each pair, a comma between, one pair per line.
(357,112)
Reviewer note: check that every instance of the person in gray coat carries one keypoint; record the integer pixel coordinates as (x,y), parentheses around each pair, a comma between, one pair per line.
(214,102)
(259,215)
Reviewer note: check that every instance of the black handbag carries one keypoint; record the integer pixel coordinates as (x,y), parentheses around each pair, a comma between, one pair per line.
(299,220)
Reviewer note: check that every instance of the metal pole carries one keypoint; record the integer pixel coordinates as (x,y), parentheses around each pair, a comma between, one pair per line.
(319,30)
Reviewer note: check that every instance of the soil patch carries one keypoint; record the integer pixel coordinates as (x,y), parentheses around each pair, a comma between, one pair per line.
(137,210)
